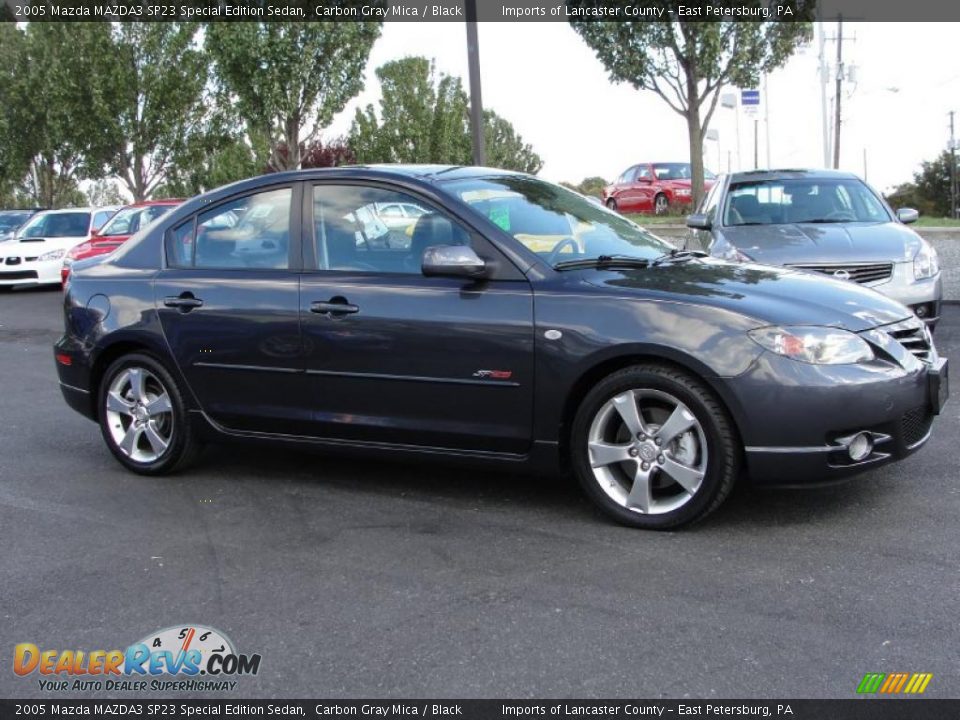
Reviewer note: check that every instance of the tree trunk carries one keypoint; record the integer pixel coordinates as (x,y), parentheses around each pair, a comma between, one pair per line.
(695,134)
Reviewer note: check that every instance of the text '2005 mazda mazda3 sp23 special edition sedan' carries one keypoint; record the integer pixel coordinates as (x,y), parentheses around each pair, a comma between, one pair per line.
(512,322)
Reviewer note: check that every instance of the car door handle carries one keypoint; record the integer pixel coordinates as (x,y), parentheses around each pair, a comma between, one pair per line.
(184,301)
(333,308)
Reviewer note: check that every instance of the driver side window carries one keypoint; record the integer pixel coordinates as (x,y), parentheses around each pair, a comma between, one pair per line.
(364,229)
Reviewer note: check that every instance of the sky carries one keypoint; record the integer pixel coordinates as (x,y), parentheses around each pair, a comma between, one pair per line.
(545,80)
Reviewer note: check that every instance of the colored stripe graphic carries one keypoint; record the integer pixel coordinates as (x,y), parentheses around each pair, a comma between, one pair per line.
(894,683)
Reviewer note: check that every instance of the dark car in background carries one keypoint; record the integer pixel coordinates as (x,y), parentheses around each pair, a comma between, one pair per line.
(517,325)
(116,231)
(13,220)
(653,188)
(823,221)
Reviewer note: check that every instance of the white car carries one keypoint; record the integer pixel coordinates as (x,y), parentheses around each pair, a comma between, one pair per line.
(35,254)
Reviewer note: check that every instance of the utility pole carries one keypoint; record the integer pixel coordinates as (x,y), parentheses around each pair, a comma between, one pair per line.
(953,169)
(476,104)
(836,104)
(756,143)
(824,76)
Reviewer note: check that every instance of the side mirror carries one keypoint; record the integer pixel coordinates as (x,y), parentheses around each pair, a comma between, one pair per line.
(698,222)
(452,261)
(907,215)
(645,180)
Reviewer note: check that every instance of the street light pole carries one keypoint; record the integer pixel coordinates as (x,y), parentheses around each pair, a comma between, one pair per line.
(476,103)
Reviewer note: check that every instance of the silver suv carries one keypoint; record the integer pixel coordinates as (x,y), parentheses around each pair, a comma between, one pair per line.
(823,221)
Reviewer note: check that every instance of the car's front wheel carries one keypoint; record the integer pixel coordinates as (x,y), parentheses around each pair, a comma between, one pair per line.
(661,204)
(653,448)
(143,417)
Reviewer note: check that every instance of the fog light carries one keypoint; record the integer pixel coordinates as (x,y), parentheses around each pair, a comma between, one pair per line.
(860,447)
(920,311)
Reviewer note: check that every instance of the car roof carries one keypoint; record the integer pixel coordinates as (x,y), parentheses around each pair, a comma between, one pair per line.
(791,174)
(92,209)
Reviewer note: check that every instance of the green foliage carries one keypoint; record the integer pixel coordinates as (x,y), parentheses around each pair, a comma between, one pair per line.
(687,63)
(929,192)
(104,192)
(591,186)
(52,109)
(288,80)
(156,76)
(424,117)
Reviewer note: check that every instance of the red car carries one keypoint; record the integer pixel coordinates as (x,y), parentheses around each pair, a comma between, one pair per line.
(113,234)
(653,188)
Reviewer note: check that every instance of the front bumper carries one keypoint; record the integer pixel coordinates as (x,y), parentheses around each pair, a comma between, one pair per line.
(796,419)
(30,272)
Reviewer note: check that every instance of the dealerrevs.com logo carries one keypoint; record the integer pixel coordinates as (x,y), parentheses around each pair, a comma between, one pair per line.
(185,657)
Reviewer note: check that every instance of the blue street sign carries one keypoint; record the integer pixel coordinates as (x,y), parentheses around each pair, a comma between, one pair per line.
(749,97)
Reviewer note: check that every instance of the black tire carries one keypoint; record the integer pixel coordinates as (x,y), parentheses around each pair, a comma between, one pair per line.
(612,205)
(722,442)
(183,445)
(661,204)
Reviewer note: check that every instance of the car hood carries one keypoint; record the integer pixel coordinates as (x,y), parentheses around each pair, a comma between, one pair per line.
(769,295)
(37,246)
(824,243)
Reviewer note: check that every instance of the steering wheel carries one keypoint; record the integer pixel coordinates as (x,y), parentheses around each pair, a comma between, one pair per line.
(559,247)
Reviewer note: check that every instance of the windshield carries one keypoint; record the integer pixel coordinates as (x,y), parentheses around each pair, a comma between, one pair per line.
(131,219)
(802,200)
(12,220)
(556,223)
(69,224)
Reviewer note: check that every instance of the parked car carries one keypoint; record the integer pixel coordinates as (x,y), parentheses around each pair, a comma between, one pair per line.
(653,188)
(125,223)
(13,220)
(824,221)
(656,375)
(35,254)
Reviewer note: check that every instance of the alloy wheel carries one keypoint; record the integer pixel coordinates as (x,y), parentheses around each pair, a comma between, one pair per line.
(139,414)
(647,451)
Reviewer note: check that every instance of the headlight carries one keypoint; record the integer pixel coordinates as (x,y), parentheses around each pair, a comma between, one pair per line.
(682,192)
(814,345)
(52,255)
(925,262)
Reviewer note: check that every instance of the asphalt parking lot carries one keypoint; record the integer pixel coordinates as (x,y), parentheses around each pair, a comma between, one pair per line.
(370,579)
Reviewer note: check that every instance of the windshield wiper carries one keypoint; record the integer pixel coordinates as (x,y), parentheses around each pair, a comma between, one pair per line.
(603,261)
(819,221)
(677,255)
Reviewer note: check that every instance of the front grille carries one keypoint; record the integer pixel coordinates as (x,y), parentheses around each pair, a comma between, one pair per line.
(912,333)
(858,272)
(915,424)
(19,275)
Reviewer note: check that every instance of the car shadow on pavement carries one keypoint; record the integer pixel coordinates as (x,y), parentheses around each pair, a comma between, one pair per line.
(493,489)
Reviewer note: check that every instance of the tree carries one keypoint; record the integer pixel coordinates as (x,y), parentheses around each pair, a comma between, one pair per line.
(687,63)
(424,117)
(589,186)
(288,80)
(421,119)
(53,109)
(505,148)
(929,192)
(157,78)
(104,192)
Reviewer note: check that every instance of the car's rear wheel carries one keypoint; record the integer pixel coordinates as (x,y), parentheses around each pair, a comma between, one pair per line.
(612,204)
(661,204)
(143,418)
(653,448)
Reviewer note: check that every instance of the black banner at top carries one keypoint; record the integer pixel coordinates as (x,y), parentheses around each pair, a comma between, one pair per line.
(487,709)
(487,10)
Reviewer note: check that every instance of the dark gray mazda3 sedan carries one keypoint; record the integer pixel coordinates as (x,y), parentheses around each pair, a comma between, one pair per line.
(489,317)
